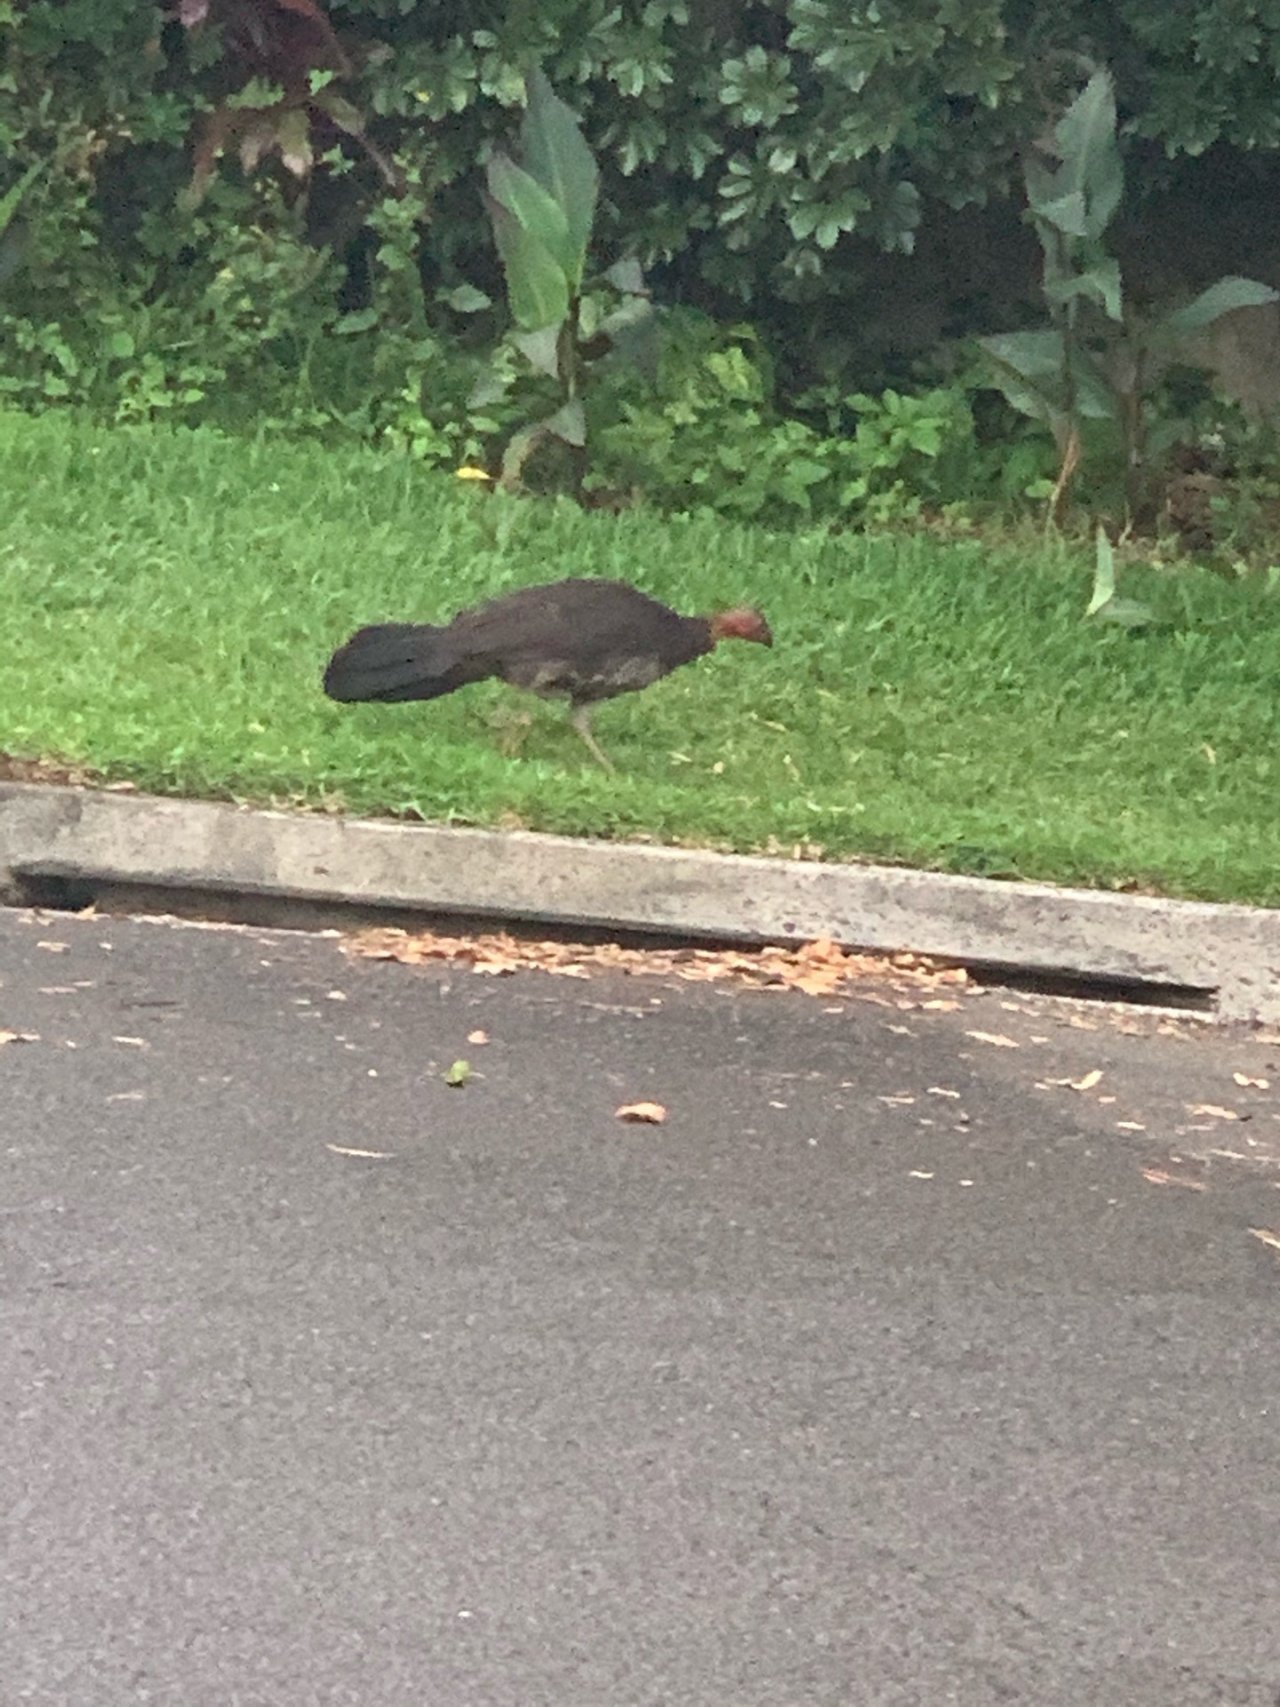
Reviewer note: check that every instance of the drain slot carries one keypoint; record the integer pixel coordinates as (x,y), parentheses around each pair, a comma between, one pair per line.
(53,893)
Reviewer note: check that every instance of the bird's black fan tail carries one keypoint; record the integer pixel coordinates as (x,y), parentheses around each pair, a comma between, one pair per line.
(393,661)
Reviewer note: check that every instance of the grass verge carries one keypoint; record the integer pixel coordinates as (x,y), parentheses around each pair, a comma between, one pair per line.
(169,600)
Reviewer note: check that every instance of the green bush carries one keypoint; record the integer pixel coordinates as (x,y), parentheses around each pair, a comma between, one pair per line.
(269,211)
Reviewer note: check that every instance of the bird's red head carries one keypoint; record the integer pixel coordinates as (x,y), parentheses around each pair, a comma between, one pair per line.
(741,623)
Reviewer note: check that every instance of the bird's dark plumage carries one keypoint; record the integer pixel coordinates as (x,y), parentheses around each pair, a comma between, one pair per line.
(582,640)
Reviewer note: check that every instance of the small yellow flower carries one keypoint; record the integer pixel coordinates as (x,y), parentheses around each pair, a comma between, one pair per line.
(469,473)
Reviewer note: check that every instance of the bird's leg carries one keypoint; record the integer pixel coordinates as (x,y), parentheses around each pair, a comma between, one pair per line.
(580,717)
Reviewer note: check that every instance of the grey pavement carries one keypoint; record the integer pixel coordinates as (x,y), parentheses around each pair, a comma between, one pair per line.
(888,1372)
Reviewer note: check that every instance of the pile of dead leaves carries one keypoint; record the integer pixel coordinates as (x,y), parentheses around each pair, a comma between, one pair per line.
(820,968)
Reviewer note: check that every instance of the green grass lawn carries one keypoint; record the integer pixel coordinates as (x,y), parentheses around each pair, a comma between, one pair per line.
(169,601)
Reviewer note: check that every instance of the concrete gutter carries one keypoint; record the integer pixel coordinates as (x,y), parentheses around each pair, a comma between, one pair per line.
(99,837)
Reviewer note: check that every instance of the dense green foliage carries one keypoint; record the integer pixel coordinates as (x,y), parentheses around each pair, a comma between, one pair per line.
(170,599)
(755,151)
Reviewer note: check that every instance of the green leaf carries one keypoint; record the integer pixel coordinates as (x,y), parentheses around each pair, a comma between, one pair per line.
(121,345)
(1098,284)
(1104,573)
(359,320)
(10,201)
(458,1075)
(1091,161)
(1068,214)
(569,424)
(1220,298)
(343,112)
(541,349)
(1126,613)
(633,331)
(556,153)
(1031,355)
(467,299)
(627,276)
(1104,606)
(537,289)
(535,208)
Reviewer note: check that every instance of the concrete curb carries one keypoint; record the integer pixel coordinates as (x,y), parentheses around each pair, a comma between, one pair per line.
(96,836)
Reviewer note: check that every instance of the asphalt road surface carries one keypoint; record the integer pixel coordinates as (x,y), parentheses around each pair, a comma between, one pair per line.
(888,1372)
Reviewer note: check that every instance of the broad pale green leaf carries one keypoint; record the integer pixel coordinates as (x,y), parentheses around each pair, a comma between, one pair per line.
(633,331)
(1091,161)
(569,423)
(627,276)
(1031,355)
(1126,613)
(1220,298)
(537,211)
(1067,214)
(541,349)
(1104,573)
(1094,397)
(1099,284)
(468,299)
(536,286)
(556,153)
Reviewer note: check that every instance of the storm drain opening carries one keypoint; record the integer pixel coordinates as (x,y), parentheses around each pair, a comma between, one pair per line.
(50,892)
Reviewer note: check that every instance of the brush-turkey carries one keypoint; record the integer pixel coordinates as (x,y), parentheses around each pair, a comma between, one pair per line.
(579,640)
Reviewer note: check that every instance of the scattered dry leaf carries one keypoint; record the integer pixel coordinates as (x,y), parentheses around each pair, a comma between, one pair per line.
(19,1036)
(369,1155)
(1247,1083)
(1085,1084)
(1270,1239)
(919,1173)
(942,1091)
(820,968)
(1158,1176)
(648,1113)
(53,947)
(477,1036)
(1129,1126)
(133,1042)
(995,1038)
(1212,1110)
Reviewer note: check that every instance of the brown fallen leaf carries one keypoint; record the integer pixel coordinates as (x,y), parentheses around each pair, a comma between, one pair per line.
(368,1155)
(1158,1176)
(19,1036)
(477,1036)
(1270,1239)
(1247,1083)
(995,1038)
(1212,1110)
(819,968)
(648,1113)
(53,947)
